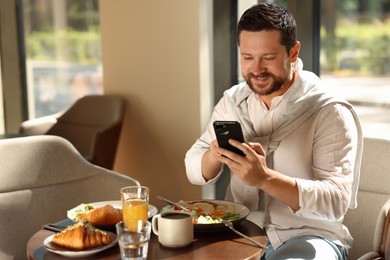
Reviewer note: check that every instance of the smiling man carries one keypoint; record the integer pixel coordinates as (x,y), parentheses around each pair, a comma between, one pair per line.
(303,145)
(266,67)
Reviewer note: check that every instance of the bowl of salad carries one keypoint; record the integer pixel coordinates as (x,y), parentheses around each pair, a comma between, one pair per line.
(209,214)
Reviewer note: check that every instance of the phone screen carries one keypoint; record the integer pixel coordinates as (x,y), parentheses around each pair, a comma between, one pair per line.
(225,130)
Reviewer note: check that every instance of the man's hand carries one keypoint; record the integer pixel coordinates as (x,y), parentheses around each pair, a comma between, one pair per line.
(211,164)
(252,170)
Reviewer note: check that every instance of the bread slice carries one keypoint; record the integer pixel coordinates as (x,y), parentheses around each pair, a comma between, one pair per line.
(81,236)
(206,207)
(225,207)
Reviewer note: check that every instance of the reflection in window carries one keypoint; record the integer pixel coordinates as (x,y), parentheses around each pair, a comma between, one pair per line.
(63,53)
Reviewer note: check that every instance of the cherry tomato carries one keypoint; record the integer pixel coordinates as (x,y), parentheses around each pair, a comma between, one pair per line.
(199,210)
(218,213)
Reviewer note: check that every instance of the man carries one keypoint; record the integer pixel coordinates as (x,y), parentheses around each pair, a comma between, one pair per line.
(300,171)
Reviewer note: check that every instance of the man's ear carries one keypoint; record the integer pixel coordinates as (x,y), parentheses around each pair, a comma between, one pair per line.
(295,51)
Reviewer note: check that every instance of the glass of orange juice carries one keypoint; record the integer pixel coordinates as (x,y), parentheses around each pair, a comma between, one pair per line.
(135,200)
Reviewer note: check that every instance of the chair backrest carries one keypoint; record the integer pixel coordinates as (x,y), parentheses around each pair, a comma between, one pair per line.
(381,237)
(372,195)
(93,125)
(41,178)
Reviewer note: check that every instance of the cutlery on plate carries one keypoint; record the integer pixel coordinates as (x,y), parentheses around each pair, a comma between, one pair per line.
(53,227)
(229,224)
(172,203)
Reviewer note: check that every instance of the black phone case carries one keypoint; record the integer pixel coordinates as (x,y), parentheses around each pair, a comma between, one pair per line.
(225,130)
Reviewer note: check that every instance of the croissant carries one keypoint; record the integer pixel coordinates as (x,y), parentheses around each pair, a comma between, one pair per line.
(106,215)
(81,236)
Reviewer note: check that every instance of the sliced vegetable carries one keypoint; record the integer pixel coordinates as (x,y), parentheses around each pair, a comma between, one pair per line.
(231,216)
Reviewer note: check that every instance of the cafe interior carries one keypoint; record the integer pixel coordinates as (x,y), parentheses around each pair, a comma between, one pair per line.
(162,66)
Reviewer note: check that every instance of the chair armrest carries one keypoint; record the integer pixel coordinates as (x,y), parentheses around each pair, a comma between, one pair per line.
(371,256)
(37,126)
(385,242)
(387,236)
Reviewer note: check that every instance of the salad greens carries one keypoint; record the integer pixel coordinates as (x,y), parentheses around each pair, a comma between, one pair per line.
(207,219)
(74,213)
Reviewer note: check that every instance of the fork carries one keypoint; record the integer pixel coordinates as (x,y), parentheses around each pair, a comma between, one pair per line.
(229,224)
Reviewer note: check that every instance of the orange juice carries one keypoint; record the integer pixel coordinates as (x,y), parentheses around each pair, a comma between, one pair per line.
(134,210)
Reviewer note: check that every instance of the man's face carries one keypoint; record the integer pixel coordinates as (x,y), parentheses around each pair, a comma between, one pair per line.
(265,64)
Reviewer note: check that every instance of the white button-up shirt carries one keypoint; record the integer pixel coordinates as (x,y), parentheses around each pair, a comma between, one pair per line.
(320,154)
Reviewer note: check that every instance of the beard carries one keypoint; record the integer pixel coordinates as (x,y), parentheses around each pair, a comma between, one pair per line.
(266,89)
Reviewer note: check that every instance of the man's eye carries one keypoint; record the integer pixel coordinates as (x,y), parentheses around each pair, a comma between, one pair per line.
(269,58)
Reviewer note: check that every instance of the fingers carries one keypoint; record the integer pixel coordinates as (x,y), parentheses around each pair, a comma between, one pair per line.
(257,147)
(249,148)
(230,154)
(215,147)
(251,151)
(250,168)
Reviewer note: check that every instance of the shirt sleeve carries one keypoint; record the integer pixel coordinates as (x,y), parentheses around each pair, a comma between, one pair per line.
(193,157)
(334,152)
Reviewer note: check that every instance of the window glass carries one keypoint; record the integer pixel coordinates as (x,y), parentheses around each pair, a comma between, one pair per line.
(355,58)
(63,53)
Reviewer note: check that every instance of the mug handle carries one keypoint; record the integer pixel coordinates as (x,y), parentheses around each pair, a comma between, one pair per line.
(155,224)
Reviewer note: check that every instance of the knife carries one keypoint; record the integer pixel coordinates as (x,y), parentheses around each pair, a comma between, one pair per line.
(172,203)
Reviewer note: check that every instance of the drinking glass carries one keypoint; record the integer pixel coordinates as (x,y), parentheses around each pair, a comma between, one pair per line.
(133,244)
(135,200)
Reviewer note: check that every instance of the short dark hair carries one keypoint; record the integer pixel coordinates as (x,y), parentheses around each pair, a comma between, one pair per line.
(267,16)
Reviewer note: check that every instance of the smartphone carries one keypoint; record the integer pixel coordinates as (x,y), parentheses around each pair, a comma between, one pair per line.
(225,130)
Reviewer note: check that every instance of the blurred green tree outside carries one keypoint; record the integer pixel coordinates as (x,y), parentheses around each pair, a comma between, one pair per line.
(355,37)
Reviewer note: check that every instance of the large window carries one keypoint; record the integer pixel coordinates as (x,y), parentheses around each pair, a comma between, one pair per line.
(355,58)
(62,53)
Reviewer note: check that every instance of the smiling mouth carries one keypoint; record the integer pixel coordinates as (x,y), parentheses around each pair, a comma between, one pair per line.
(260,79)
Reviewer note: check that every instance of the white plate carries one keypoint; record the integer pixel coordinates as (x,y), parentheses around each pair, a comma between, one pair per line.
(152,210)
(47,243)
(239,208)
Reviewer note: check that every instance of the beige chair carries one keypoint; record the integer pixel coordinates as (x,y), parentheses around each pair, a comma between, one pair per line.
(366,221)
(92,124)
(41,178)
(381,248)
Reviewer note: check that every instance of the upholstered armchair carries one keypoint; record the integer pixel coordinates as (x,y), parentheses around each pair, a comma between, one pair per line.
(381,242)
(92,124)
(41,178)
(367,222)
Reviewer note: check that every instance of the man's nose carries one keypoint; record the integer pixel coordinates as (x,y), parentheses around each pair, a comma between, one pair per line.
(258,67)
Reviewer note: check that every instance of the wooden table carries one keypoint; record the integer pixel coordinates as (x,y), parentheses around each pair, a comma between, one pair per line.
(212,245)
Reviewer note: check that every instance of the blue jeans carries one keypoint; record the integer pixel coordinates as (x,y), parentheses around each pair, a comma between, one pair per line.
(306,247)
